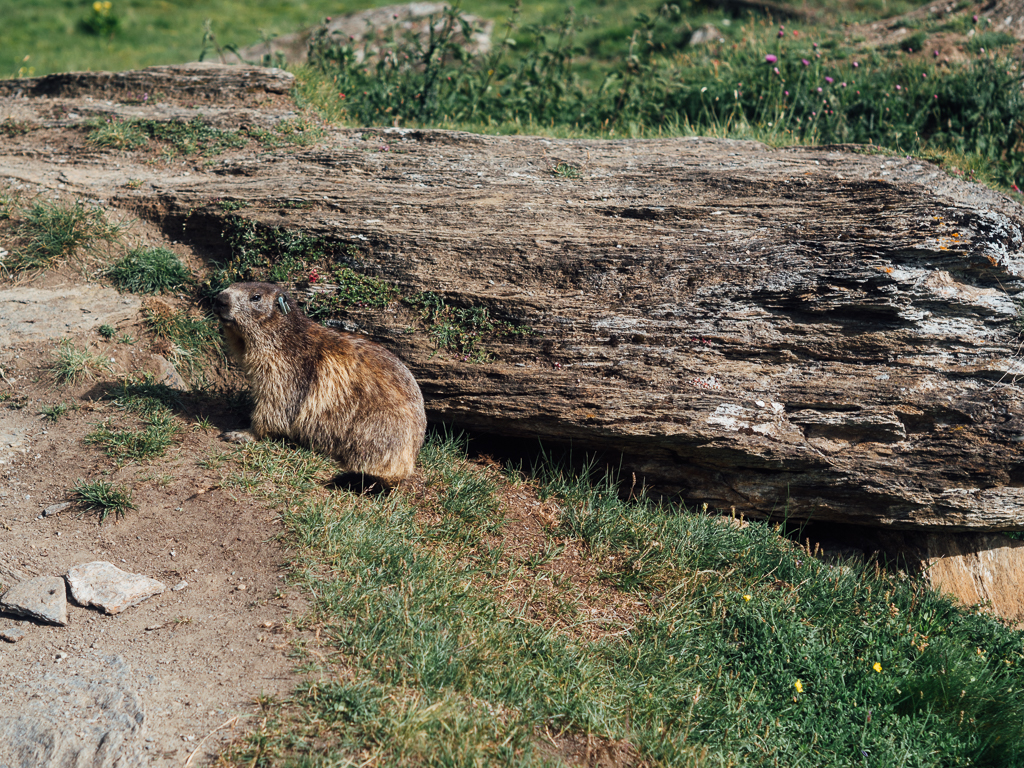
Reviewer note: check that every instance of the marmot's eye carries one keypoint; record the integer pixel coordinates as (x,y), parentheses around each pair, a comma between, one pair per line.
(255,297)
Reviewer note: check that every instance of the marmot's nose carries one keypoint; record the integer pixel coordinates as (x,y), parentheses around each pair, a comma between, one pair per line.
(222,303)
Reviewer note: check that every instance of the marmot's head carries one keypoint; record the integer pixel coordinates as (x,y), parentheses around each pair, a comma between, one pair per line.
(253,313)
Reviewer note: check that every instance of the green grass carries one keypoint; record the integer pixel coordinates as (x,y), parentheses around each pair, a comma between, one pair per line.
(443,641)
(49,35)
(53,413)
(72,365)
(153,404)
(148,270)
(103,499)
(806,86)
(143,397)
(192,340)
(128,444)
(49,233)
(989,41)
(177,137)
(112,133)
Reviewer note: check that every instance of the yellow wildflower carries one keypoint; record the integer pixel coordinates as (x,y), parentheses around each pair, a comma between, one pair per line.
(877,667)
(799,686)
(747,598)
(97,6)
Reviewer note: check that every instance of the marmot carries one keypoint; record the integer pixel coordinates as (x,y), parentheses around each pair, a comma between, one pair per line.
(335,392)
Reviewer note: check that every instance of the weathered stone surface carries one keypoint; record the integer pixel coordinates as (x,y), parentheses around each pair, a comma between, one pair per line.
(12,634)
(88,713)
(815,332)
(975,568)
(42,598)
(36,314)
(10,575)
(803,331)
(200,81)
(104,585)
(361,30)
(165,373)
(56,509)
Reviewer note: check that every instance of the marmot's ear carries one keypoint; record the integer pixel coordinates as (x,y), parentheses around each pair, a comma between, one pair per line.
(282,302)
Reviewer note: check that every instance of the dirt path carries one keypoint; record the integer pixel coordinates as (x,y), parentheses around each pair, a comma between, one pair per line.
(160,678)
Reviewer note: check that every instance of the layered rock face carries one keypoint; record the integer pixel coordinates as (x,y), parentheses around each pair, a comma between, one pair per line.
(809,332)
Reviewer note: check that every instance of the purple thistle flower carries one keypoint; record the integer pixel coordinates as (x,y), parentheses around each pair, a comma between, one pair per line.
(899,87)
(771,58)
(805,62)
(842,85)
(856,64)
(829,80)
(819,89)
(782,33)
(785,93)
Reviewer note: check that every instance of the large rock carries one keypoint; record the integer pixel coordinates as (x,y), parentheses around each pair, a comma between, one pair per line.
(36,314)
(813,332)
(805,332)
(42,598)
(103,585)
(365,31)
(198,82)
(87,713)
(976,568)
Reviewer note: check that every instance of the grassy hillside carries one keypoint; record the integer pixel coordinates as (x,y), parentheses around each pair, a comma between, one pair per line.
(499,615)
(66,35)
(495,617)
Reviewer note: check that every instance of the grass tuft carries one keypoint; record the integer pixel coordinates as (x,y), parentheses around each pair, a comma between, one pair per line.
(103,499)
(190,339)
(149,270)
(72,365)
(53,413)
(50,233)
(124,444)
(153,403)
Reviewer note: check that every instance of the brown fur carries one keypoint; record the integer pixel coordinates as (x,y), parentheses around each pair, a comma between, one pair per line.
(337,393)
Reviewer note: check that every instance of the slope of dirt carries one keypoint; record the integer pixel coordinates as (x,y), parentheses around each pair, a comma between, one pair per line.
(197,655)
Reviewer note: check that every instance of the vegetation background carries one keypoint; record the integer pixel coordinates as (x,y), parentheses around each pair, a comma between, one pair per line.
(948,90)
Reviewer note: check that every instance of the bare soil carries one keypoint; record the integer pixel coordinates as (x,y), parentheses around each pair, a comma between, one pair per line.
(199,654)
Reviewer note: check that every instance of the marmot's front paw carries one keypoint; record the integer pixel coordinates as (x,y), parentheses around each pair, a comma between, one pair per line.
(238,436)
